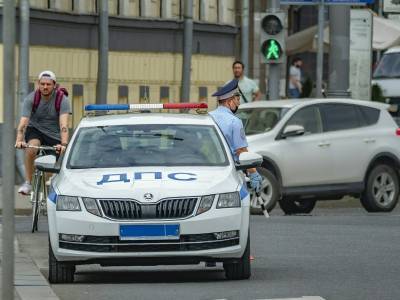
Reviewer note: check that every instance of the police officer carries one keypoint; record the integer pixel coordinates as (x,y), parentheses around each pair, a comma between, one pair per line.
(232,127)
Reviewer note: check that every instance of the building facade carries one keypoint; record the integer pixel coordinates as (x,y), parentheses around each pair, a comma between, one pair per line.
(145,49)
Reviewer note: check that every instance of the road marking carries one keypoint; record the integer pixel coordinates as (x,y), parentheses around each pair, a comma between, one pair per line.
(301,298)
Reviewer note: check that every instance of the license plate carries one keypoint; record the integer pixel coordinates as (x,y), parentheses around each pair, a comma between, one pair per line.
(149,232)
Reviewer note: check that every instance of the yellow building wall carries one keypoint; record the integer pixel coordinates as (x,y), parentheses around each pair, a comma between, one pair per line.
(133,69)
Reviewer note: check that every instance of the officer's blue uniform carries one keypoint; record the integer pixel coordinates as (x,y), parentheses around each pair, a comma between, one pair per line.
(230,125)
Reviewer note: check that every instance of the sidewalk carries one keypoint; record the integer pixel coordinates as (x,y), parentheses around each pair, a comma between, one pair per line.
(29,283)
(22,204)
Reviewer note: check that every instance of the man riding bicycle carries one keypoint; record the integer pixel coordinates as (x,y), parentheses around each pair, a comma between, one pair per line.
(44,121)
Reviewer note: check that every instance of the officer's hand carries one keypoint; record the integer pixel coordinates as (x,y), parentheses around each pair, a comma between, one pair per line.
(255,181)
(20,144)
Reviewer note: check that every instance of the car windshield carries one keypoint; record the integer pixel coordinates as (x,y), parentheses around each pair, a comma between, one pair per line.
(388,67)
(259,120)
(147,145)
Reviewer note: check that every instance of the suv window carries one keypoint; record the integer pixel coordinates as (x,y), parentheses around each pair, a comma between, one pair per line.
(308,117)
(370,115)
(259,120)
(340,116)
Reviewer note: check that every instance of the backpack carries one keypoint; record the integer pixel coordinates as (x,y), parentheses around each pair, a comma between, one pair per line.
(60,92)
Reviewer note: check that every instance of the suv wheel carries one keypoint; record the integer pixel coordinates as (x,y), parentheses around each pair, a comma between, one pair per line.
(381,193)
(291,206)
(60,272)
(269,192)
(239,269)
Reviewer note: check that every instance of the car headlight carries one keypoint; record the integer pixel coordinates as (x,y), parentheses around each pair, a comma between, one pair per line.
(68,203)
(228,200)
(205,204)
(91,206)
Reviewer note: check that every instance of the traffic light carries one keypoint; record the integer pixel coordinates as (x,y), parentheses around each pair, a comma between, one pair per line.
(272,35)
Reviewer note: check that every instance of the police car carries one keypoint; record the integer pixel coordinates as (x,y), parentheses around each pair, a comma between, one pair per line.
(148,189)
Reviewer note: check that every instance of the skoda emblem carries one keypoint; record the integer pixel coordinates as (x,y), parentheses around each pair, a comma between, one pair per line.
(148,196)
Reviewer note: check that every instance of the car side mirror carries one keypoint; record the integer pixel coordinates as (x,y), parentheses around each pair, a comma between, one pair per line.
(248,160)
(47,163)
(292,130)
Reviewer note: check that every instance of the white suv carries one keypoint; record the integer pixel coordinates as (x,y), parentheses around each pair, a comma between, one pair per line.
(148,189)
(324,149)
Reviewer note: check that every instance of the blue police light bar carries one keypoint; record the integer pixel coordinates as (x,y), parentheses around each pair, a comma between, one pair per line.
(108,107)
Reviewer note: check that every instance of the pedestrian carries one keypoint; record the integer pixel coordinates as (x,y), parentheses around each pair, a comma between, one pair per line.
(232,127)
(44,121)
(295,85)
(248,88)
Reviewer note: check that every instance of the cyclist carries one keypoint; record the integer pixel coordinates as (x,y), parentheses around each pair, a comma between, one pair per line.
(42,123)
(231,126)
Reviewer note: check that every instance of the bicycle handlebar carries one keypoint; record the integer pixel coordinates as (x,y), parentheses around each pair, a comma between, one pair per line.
(46,148)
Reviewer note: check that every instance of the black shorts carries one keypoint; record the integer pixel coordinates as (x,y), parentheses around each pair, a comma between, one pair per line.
(32,133)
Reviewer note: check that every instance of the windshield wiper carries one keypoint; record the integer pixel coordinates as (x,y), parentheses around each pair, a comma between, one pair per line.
(157,135)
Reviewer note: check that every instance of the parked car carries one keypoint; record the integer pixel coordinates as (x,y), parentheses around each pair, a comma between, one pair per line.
(148,189)
(324,149)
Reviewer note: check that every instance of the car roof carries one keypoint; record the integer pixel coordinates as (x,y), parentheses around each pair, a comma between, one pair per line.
(295,102)
(146,118)
(393,50)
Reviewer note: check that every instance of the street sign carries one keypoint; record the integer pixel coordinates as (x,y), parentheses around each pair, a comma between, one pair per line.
(327,2)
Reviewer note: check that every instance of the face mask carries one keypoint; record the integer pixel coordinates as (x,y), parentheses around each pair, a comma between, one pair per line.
(234,110)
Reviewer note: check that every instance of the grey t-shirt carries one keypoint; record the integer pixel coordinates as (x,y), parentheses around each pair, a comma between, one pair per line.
(45,118)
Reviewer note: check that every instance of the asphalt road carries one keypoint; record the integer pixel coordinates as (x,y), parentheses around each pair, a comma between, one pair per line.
(339,253)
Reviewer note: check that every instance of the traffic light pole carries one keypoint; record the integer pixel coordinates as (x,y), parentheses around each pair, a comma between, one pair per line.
(320,53)
(274,73)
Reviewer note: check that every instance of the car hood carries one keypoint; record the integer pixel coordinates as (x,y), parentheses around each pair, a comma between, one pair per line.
(390,87)
(134,183)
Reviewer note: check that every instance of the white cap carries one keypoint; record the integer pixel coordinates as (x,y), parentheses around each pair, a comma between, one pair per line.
(48,74)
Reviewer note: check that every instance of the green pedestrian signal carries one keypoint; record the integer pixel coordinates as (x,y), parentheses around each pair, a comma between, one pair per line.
(272,37)
(272,50)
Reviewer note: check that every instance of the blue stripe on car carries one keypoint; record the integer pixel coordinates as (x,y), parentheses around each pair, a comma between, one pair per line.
(243,192)
(53,196)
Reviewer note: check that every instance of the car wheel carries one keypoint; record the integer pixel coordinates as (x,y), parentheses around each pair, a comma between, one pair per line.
(269,192)
(291,206)
(60,272)
(382,190)
(239,269)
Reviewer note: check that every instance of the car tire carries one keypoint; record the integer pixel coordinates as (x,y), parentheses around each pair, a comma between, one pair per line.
(381,192)
(60,272)
(292,206)
(239,269)
(269,192)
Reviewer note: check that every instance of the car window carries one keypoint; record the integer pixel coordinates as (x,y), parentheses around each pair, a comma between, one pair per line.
(370,115)
(388,67)
(147,145)
(259,120)
(340,116)
(309,118)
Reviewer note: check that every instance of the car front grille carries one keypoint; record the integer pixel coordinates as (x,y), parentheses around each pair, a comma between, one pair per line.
(189,242)
(125,209)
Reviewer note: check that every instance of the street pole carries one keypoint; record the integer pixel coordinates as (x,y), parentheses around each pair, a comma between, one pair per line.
(380,13)
(102,71)
(23,70)
(187,50)
(339,51)
(8,150)
(320,53)
(274,74)
(245,36)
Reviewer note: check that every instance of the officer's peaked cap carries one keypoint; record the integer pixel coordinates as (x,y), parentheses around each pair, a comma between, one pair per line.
(228,90)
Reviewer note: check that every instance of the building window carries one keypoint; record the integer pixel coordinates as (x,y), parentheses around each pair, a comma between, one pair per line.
(203,94)
(164,94)
(144,94)
(77,104)
(123,92)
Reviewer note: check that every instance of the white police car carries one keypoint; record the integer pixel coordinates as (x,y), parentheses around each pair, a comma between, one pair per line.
(148,189)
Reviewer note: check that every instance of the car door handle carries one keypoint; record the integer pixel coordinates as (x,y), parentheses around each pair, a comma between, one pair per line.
(370,140)
(324,144)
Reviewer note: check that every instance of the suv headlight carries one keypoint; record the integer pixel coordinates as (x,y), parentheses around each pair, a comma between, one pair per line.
(205,204)
(228,200)
(91,206)
(68,203)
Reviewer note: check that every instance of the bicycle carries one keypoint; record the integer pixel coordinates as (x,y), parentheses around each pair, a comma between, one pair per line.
(39,188)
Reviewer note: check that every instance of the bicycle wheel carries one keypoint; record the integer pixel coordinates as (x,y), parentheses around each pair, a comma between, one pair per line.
(36,201)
